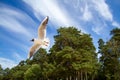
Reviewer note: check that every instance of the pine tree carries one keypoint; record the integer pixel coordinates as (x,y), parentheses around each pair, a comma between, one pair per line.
(110,55)
(74,54)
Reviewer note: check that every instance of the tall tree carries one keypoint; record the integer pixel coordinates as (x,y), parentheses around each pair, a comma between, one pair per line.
(110,56)
(74,54)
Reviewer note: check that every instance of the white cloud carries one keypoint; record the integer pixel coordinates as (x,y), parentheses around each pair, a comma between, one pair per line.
(11,24)
(7,63)
(116,24)
(82,13)
(87,16)
(11,19)
(58,15)
(95,13)
(98,29)
(22,46)
(101,13)
(17,56)
(103,9)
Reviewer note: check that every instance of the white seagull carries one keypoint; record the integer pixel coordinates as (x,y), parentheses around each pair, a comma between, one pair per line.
(42,41)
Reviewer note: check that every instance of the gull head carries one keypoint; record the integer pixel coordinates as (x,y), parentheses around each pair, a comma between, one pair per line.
(32,40)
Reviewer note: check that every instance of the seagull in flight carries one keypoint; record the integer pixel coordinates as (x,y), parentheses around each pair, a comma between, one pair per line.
(42,41)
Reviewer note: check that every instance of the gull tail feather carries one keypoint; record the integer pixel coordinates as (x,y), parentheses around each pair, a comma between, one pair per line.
(47,43)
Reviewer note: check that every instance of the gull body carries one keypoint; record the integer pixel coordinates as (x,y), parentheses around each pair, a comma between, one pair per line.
(41,41)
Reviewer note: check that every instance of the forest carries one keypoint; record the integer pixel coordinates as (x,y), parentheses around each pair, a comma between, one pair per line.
(72,57)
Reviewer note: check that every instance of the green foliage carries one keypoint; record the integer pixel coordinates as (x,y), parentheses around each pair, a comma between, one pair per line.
(73,52)
(115,34)
(1,73)
(40,56)
(33,72)
(110,56)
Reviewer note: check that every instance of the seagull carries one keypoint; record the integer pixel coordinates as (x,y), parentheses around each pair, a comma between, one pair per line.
(42,41)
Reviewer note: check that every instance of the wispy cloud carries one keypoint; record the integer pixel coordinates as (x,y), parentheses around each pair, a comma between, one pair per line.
(11,19)
(87,15)
(58,15)
(116,24)
(98,13)
(17,56)
(83,12)
(19,25)
(103,9)
(7,63)
(14,43)
(99,28)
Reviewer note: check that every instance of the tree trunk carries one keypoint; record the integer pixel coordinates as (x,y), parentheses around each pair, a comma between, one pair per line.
(76,76)
(92,77)
(70,78)
(81,75)
(86,76)
(66,78)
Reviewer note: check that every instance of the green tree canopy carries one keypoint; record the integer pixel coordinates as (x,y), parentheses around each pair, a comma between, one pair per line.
(110,56)
(74,53)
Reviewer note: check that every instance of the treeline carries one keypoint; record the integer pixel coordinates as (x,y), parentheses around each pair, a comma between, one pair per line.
(72,57)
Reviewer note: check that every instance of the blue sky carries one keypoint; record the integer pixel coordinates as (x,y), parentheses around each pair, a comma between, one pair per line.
(19,21)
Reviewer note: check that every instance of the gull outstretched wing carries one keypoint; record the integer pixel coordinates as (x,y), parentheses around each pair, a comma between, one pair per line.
(33,50)
(42,28)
